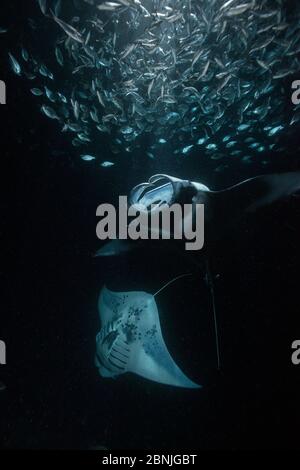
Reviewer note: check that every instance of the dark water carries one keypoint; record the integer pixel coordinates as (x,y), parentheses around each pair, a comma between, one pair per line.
(50,284)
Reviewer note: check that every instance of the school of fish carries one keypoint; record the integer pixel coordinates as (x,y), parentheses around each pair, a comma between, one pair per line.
(169,75)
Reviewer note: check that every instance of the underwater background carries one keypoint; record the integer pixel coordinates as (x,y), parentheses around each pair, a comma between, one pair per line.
(53,396)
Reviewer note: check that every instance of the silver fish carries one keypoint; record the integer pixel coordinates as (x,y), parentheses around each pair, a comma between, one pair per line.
(49,112)
(68,29)
(16,67)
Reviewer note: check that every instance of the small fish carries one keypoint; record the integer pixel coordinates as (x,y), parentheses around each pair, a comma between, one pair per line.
(50,95)
(62,97)
(100,98)
(196,57)
(107,164)
(43,70)
(109,6)
(14,64)
(87,158)
(239,9)
(43,6)
(25,54)
(36,92)
(275,130)
(231,144)
(226,4)
(68,29)
(76,109)
(187,149)
(128,51)
(84,138)
(262,64)
(127,130)
(204,70)
(59,56)
(295,119)
(150,88)
(262,44)
(223,85)
(211,147)
(282,74)
(49,112)
(243,127)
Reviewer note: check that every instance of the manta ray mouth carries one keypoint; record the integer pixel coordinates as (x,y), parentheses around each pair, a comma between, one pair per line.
(163,189)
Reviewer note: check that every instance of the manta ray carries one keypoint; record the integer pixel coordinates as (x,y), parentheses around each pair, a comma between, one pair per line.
(223,209)
(131,339)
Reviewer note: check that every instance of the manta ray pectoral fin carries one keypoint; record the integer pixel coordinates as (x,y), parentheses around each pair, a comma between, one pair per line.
(261,191)
(227,206)
(105,373)
(158,366)
(273,188)
(131,340)
(124,247)
(117,247)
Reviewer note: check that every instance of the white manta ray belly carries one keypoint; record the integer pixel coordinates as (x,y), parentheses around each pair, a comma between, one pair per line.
(131,340)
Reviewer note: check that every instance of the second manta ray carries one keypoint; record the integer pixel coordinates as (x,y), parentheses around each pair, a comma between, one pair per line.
(130,339)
